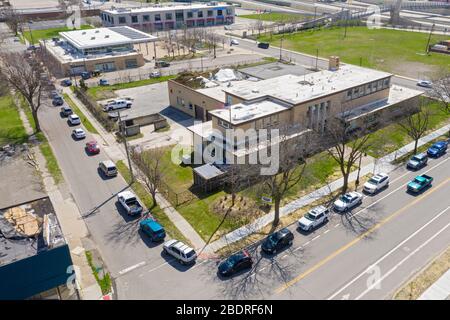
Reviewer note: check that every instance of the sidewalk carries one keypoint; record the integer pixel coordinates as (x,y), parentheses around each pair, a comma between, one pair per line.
(116,152)
(383,164)
(72,225)
(440,290)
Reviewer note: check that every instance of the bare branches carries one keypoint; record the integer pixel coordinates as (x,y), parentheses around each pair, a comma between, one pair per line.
(12,19)
(415,124)
(441,90)
(151,171)
(25,77)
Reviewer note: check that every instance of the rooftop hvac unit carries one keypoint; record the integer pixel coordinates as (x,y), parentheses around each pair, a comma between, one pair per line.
(92,38)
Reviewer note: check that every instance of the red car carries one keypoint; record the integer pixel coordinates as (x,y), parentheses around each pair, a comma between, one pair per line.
(92,147)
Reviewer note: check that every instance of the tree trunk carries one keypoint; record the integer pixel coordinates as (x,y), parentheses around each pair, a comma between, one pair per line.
(415,145)
(276,217)
(36,121)
(345,184)
(154,204)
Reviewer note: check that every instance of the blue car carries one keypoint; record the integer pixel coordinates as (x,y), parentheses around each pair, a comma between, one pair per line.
(66,83)
(437,149)
(103,82)
(152,229)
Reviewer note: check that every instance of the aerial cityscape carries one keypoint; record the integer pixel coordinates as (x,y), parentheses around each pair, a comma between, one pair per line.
(224,151)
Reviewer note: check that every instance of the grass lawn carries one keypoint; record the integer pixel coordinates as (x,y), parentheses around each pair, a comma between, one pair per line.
(105,282)
(48,33)
(146,198)
(11,127)
(275,17)
(392,137)
(390,50)
(106,92)
(87,124)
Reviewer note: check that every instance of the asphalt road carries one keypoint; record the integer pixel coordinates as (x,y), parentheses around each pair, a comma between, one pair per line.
(363,254)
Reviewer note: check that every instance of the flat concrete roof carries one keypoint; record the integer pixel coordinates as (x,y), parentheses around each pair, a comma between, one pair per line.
(216,88)
(165,7)
(298,89)
(102,37)
(241,112)
(208,171)
(275,69)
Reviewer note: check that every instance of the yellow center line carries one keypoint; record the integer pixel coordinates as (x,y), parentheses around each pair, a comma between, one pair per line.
(356,240)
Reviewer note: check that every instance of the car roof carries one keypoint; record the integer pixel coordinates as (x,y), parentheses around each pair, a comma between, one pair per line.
(152,224)
(440,143)
(353,194)
(420,155)
(317,210)
(126,194)
(73,116)
(181,246)
(78,130)
(420,178)
(379,176)
(108,163)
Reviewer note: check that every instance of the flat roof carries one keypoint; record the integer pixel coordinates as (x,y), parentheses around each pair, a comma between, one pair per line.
(28,229)
(208,171)
(217,91)
(242,112)
(275,69)
(161,8)
(298,89)
(101,37)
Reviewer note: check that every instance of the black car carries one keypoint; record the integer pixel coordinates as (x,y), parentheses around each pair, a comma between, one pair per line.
(66,83)
(85,75)
(236,262)
(66,111)
(263,45)
(277,241)
(162,64)
(58,101)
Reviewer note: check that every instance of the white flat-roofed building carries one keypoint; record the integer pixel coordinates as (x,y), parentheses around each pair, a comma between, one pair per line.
(102,49)
(170,17)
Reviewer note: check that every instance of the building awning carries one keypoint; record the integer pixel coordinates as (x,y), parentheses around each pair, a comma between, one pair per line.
(208,171)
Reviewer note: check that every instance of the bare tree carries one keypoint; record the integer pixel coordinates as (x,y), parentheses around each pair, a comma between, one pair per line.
(415,124)
(348,145)
(151,169)
(441,91)
(25,77)
(12,19)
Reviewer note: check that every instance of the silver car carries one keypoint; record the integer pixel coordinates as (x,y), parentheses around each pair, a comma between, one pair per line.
(348,201)
(180,251)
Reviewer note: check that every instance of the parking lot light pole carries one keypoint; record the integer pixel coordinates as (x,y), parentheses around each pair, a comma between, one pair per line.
(359,170)
(125,142)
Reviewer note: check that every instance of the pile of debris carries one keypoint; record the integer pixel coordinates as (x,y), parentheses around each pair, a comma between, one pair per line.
(8,152)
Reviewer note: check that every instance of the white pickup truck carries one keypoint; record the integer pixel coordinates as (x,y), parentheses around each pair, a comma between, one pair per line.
(117,104)
(130,203)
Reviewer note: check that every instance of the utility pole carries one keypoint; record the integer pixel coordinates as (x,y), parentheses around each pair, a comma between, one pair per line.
(427,49)
(154,51)
(201,61)
(359,170)
(125,142)
(281,47)
(317,58)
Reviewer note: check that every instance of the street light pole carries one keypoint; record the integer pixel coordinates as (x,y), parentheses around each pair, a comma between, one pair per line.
(281,47)
(122,131)
(359,170)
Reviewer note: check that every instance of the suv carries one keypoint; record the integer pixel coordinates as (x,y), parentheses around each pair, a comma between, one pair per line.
(437,149)
(418,161)
(73,120)
(263,45)
(277,241)
(152,229)
(376,183)
(108,168)
(348,201)
(117,104)
(177,249)
(66,111)
(58,100)
(314,218)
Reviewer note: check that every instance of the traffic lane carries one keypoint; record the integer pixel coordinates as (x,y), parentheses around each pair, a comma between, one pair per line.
(384,276)
(336,269)
(115,234)
(270,271)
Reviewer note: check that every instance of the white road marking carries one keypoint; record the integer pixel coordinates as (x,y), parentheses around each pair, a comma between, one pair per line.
(325,232)
(386,255)
(337,225)
(285,256)
(402,261)
(137,265)
(315,238)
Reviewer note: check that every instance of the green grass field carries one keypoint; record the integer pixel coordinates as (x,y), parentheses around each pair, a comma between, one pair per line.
(11,127)
(275,17)
(106,92)
(401,52)
(37,35)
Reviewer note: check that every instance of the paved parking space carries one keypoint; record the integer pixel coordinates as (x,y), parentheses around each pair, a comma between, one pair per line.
(146,99)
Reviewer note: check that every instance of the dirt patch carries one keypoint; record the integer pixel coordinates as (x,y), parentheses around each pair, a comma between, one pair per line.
(415,70)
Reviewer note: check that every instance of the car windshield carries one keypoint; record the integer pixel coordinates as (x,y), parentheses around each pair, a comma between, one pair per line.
(373,181)
(190,253)
(415,158)
(309,216)
(346,198)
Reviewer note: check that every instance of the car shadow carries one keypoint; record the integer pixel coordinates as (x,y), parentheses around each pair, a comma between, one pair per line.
(175,264)
(234,275)
(147,241)
(124,214)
